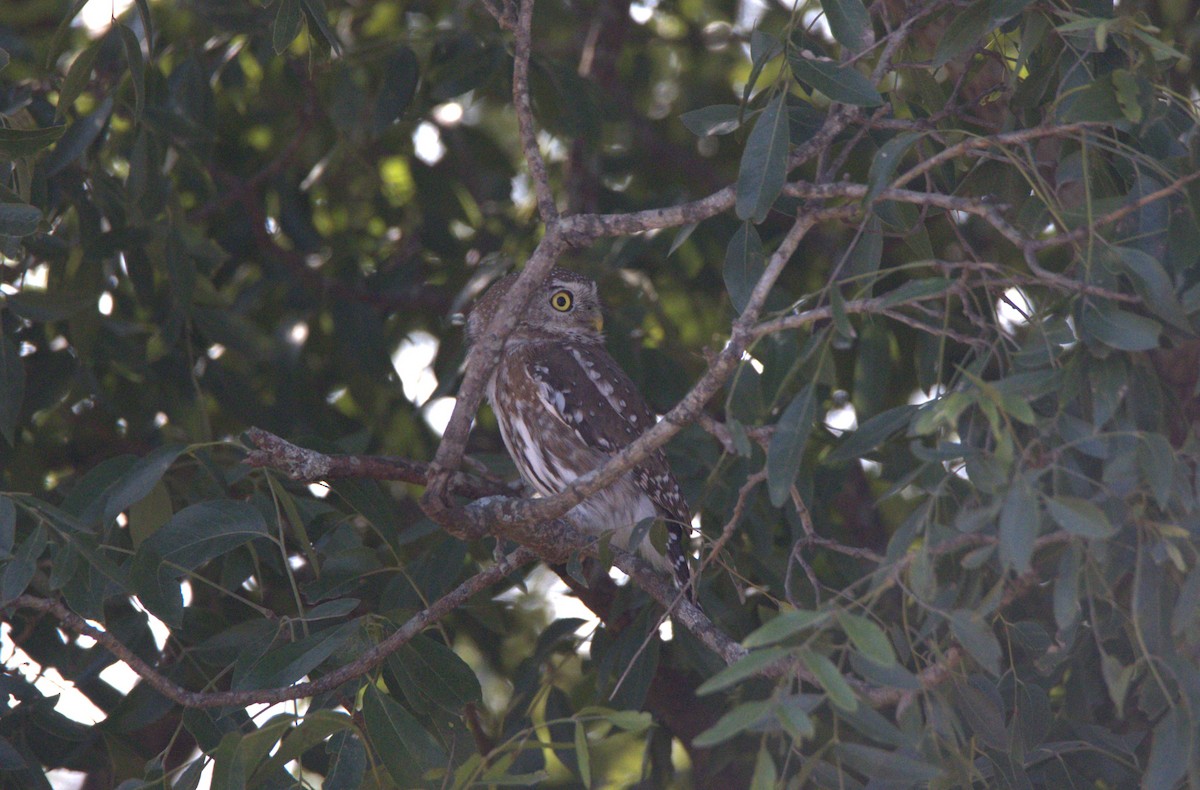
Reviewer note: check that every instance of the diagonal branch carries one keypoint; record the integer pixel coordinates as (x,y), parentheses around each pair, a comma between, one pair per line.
(370,659)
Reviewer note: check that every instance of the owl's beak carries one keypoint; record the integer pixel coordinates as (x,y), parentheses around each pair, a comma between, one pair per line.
(598,322)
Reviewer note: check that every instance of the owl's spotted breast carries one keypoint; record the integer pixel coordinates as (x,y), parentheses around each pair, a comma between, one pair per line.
(565,407)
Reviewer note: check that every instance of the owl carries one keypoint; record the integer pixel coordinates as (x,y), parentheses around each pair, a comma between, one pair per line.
(565,407)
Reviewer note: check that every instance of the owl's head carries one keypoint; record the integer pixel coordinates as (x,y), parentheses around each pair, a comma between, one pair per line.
(565,306)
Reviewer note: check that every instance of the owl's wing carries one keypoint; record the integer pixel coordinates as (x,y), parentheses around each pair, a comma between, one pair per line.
(586,388)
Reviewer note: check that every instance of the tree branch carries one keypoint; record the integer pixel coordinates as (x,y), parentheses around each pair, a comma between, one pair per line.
(370,659)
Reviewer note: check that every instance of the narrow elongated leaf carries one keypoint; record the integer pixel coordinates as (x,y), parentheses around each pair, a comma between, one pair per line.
(1019,526)
(884,766)
(751,665)
(868,638)
(428,668)
(735,721)
(1169,751)
(1079,517)
(830,678)
(764,162)
(77,137)
(1154,285)
(1066,588)
(744,264)
(207,530)
(78,77)
(765,773)
(915,289)
(786,625)
(786,451)
(840,83)
(849,22)
(137,68)
(883,166)
(289,21)
(12,388)
(1120,329)
(139,481)
(714,120)
(403,745)
(318,15)
(18,219)
(793,715)
(348,762)
(24,142)
(8,525)
(871,434)
(977,639)
(402,73)
(284,665)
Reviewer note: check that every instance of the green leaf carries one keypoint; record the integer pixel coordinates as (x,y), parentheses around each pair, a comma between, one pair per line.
(405,748)
(50,306)
(401,75)
(78,77)
(18,219)
(348,762)
(869,638)
(977,639)
(1128,95)
(12,388)
(77,137)
(786,451)
(714,120)
(432,670)
(284,665)
(739,719)
(794,718)
(310,731)
(1156,463)
(157,587)
(138,481)
(884,767)
(15,578)
(831,679)
(848,21)
(25,142)
(1079,517)
(763,169)
(8,525)
(746,667)
(841,322)
(1020,523)
(745,262)
(784,626)
(1066,588)
(289,21)
(206,530)
(4,61)
(971,25)
(840,83)
(914,290)
(883,166)
(765,774)
(137,68)
(582,755)
(1119,329)
(1169,751)
(871,434)
(319,17)
(1154,285)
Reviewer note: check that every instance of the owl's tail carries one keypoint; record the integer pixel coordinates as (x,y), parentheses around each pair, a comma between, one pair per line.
(677,556)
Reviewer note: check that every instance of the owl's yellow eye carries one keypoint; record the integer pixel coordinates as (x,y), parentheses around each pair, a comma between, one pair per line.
(562,301)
